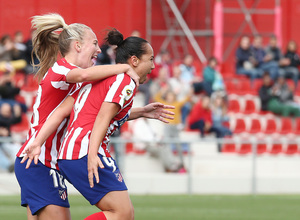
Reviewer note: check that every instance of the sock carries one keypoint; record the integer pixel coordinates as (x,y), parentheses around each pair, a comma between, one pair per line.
(96,216)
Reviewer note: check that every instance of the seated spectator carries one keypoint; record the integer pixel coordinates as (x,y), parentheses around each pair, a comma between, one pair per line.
(168,97)
(8,116)
(267,62)
(163,59)
(176,84)
(273,52)
(8,92)
(245,60)
(285,93)
(9,56)
(200,117)
(19,44)
(289,65)
(30,57)
(212,78)
(270,99)
(220,113)
(188,71)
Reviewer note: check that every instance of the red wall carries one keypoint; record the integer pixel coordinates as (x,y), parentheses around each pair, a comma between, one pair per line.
(131,14)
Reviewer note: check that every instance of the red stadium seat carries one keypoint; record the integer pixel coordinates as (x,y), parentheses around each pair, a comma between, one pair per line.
(230,86)
(243,87)
(255,126)
(297,127)
(249,107)
(257,85)
(276,148)
(245,148)
(292,148)
(234,106)
(261,148)
(286,126)
(271,126)
(228,148)
(240,126)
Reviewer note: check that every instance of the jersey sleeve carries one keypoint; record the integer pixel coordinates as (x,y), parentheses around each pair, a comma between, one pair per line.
(121,90)
(59,75)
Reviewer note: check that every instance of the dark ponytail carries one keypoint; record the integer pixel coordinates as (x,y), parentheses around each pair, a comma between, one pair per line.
(131,46)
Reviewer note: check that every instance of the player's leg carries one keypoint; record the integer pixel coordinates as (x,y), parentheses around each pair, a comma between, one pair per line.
(42,187)
(115,205)
(51,212)
(30,216)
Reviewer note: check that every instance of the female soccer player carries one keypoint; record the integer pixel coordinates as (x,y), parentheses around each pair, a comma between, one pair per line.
(100,108)
(42,187)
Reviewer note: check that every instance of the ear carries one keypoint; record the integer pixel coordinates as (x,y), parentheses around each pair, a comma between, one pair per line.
(77,46)
(134,61)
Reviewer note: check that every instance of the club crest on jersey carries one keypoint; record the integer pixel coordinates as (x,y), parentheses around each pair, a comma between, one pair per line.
(63,194)
(127,93)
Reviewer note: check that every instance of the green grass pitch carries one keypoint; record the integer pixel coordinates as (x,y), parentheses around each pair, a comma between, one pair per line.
(183,207)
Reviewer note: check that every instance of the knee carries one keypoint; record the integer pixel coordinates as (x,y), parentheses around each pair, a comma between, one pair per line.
(126,214)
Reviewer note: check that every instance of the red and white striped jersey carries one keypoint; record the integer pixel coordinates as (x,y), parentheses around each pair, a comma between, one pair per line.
(118,89)
(52,91)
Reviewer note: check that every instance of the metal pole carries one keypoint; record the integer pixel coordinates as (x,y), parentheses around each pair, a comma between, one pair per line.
(187,31)
(254,177)
(148,20)
(189,181)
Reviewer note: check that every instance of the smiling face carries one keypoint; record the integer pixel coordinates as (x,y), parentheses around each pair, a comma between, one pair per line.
(88,50)
(145,63)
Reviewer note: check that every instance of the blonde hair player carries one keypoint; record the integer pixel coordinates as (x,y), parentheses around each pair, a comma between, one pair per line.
(43,191)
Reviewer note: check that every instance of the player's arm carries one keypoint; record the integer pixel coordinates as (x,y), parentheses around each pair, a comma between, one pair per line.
(106,113)
(154,110)
(33,150)
(99,72)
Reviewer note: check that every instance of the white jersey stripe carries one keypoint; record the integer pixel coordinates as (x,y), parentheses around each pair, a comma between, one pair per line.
(115,86)
(72,143)
(84,145)
(62,70)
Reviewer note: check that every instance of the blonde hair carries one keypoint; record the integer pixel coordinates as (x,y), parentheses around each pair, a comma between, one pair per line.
(48,43)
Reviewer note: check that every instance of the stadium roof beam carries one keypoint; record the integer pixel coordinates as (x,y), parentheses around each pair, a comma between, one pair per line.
(176,27)
(248,12)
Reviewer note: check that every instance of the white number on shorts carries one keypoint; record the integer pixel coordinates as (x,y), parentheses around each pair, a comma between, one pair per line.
(109,162)
(60,180)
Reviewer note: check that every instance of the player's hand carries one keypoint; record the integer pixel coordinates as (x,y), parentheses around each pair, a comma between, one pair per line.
(158,111)
(134,76)
(94,163)
(32,153)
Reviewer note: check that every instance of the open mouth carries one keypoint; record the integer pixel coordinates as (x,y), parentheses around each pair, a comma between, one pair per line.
(94,59)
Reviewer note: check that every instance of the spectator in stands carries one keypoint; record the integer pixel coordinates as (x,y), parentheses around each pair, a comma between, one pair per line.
(212,78)
(168,97)
(200,117)
(19,44)
(273,52)
(245,60)
(9,115)
(8,92)
(188,71)
(30,60)
(285,93)
(290,65)
(163,59)
(270,100)
(135,33)
(9,56)
(265,62)
(181,89)
(220,113)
